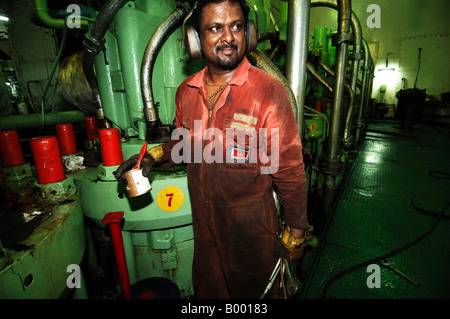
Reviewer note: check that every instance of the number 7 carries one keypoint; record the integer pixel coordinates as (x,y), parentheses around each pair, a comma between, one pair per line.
(170,199)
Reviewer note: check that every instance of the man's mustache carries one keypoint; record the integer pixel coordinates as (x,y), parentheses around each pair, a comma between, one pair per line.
(227,46)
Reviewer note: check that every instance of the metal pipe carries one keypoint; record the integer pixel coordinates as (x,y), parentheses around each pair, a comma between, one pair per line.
(348,141)
(359,122)
(278,45)
(261,61)
(367,92)
(357,30)
(17,122)
(297,53)
(271,35)
(333,147)
(357,53)
(156,41)
(93,43)
(338,88)
(351,99)
(44,16)
(368,87)
(319,77)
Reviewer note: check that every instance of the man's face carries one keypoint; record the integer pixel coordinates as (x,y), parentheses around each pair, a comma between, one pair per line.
(222,35)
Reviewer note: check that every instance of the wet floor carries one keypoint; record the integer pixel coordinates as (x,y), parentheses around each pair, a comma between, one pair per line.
(399,178)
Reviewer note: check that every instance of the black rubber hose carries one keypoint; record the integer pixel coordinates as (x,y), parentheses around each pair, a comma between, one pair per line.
(94,42)
(385,256)
(156,41)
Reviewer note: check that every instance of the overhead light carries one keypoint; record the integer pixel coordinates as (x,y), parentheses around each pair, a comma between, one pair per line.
(4,18)
(387,69)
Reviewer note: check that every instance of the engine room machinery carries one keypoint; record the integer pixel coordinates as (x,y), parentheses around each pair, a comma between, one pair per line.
(97,81)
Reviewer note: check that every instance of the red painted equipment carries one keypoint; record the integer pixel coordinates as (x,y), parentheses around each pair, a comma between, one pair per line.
(66,138)
(47,159)
(113,219)
(10,149)
(91,128)
(110,146)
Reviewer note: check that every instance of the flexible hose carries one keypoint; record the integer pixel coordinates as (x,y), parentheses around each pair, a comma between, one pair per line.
(260,60)
(94,42)
(148,62)
(390,254)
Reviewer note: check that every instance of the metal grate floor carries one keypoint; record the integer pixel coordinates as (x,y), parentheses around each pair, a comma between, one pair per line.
(374,216)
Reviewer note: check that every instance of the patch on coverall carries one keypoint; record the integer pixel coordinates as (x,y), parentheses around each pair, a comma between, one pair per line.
(240,147)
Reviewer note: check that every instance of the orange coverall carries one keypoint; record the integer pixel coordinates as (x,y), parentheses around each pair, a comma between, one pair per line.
(234,213)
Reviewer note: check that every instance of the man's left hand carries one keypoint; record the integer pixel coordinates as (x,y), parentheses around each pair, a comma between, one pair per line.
(292,244)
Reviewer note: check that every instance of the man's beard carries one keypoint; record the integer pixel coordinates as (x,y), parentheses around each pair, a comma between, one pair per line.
(232,62)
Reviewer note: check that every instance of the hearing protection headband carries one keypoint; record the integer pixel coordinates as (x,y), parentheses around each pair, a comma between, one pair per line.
(191,39)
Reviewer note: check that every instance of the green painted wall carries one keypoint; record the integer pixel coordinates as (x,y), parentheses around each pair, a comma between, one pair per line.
(405,25)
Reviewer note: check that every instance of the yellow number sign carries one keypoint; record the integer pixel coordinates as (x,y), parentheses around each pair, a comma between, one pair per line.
(170,198)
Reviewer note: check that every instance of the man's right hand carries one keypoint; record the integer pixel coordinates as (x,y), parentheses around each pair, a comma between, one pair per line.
(146,164)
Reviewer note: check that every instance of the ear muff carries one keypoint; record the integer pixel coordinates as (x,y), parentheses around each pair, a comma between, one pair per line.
(194,47)
(192,44)
(252,36)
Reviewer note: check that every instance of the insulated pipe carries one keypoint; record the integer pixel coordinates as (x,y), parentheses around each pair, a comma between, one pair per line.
(10,149)
(93,43)
(261,61)
(47,159)
(35,120)
(156,41)
(297,53)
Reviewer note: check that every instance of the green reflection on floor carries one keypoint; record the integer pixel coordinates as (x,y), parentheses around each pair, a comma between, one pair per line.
(374,216)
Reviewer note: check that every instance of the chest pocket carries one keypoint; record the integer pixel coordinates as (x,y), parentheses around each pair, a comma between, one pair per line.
(240,148)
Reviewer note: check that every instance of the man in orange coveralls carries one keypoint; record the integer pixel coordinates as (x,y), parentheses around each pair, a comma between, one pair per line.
(233,209)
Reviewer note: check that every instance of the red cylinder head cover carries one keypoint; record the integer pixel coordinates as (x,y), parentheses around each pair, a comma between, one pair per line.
(10,149)
(66,138)
(110,146)
(47,159)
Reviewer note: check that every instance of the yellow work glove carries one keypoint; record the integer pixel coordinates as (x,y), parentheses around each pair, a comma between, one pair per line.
(290,247)
(295,246)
